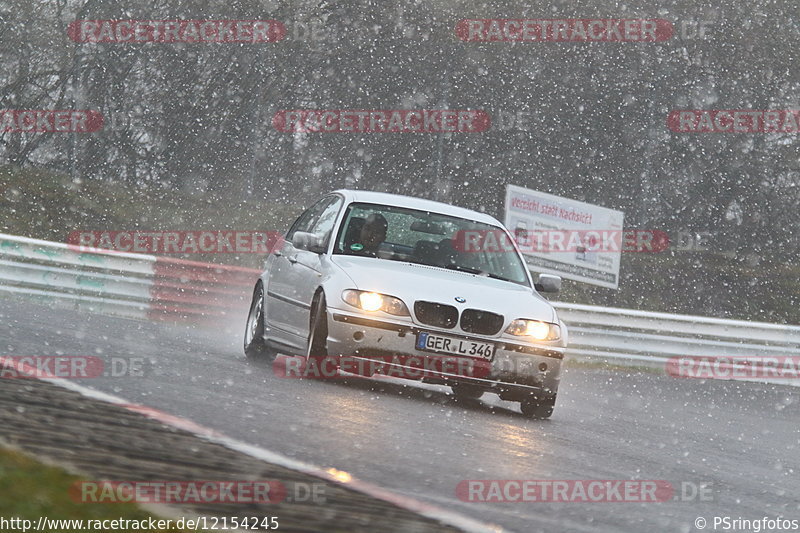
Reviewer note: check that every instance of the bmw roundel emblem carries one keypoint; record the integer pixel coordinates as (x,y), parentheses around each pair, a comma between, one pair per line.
(460,299)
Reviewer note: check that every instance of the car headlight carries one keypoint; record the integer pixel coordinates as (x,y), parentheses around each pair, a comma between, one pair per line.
(536,329)
(375,301)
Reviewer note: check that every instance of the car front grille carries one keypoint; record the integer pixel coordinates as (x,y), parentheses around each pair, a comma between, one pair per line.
(437,315)
(481,322)
(446,316)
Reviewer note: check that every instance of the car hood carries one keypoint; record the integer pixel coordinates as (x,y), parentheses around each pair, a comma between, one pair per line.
(411,282)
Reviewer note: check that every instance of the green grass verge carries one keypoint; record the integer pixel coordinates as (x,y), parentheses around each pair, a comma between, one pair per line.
(47,205)
(29,489)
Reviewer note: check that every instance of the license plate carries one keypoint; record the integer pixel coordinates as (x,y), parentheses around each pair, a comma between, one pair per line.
(431,342)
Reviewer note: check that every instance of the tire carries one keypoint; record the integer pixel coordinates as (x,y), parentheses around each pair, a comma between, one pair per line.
(465,391)
(318,328)
(255,349)
(537,408)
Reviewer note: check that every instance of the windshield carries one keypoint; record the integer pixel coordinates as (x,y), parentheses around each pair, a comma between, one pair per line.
(432,239)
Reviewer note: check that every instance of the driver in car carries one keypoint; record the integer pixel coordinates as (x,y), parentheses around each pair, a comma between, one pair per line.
(373,233)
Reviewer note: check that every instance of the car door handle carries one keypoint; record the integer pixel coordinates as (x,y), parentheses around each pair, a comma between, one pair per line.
(292,259)
(277,253)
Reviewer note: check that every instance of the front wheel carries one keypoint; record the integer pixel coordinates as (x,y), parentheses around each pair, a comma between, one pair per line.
(537,407)
(466,391)
(255,348)
(318,328)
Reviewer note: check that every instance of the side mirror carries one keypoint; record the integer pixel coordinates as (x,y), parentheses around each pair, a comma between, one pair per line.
(308,241)
(548,283)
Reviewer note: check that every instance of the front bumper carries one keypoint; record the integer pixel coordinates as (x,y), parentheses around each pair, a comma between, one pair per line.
(517,369)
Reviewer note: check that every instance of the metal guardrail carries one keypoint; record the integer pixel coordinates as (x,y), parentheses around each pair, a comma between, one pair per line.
(645,338)
(132,285)
(146,286)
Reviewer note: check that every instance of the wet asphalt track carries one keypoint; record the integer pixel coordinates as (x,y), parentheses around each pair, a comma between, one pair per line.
(741,440)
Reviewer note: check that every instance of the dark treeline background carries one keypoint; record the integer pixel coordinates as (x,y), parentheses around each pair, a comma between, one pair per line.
(189,141)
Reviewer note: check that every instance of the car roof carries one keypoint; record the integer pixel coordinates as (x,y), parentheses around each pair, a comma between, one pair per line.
(398,200)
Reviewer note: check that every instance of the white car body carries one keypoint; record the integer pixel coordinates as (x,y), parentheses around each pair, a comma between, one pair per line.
(296,279)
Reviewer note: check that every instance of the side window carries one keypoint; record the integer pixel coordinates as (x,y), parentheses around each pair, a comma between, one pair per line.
(326,220)
(351,225)
(306,221)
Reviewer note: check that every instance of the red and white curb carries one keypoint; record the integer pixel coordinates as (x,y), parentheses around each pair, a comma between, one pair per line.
(331,475)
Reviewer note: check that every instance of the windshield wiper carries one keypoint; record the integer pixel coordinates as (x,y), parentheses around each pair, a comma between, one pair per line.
(468,270)
(471,270)
(478,271)
(501,278)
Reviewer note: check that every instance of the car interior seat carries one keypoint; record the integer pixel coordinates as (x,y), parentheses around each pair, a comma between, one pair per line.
(352,234)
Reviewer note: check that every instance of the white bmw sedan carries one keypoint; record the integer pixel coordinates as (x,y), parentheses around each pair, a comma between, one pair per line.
(365,277)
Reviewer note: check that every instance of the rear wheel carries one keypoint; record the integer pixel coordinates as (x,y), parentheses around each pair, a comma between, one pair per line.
(536,407)
(255,348)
